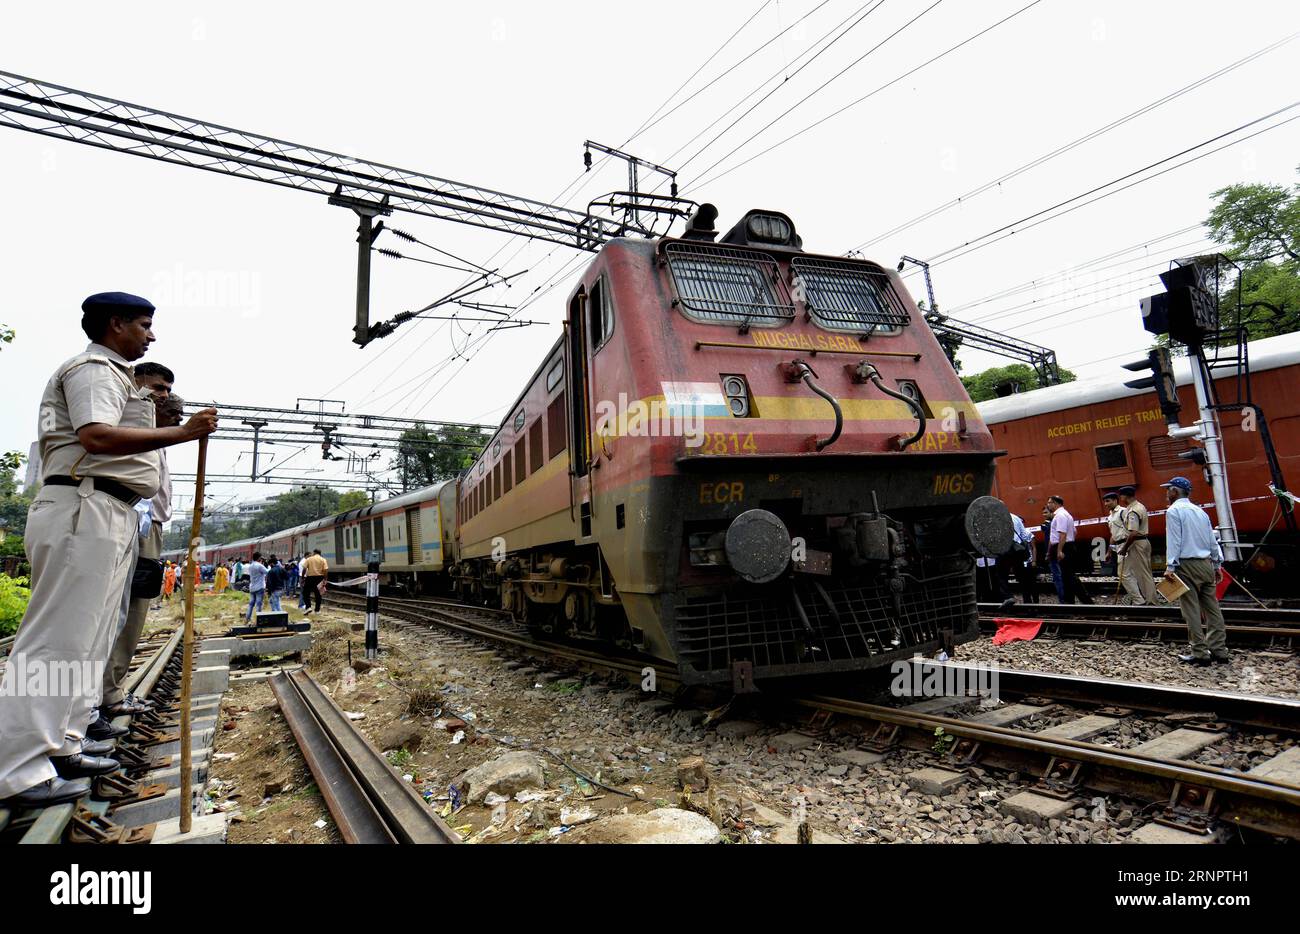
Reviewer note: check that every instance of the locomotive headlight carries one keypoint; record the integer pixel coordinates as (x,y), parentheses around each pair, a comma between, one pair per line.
(769,228)
(758,546)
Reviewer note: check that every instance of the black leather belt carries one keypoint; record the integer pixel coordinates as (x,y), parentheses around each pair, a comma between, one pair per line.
(114,489)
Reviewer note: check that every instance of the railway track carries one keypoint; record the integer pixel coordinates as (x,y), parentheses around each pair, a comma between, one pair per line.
(1067,760)
(156,678)
(1245,626)
(369,803)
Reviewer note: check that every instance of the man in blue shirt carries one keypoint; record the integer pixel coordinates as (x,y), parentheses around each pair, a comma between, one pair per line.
(256,584)
(1192,554)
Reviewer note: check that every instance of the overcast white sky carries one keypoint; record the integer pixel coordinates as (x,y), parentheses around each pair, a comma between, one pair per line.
(255,284)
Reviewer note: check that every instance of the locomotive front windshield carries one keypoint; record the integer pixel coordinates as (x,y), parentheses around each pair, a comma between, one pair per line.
(845,296)
(744,288)
(737,287)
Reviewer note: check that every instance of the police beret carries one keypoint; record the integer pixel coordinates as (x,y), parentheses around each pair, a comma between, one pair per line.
(117,303)
(1127,490)
(1110,494)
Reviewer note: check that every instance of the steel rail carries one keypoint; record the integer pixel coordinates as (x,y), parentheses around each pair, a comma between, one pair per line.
(1099,611)
(1237,634)
(355,815)
(1259,803)
(419,612)
(1257,711)
(364,794)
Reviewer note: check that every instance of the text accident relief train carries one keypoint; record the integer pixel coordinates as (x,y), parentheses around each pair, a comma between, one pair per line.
(745,458)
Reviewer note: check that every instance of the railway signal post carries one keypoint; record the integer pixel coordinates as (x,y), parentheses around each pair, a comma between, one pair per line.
(1187,312)
(373,559)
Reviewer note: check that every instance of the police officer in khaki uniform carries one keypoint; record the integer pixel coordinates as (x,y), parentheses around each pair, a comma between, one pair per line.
(114,702)
(99,452)
(1135,553)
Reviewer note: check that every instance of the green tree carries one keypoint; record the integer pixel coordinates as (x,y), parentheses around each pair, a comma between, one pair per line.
(984,385)
(426,457)
(1259,228)
(353,499)
(294,508)
(13,504)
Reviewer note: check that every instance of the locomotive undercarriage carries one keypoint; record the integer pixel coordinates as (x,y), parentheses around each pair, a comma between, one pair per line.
(559,592)
(840,608)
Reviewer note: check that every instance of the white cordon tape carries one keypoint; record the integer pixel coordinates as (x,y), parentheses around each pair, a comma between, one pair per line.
(355,582)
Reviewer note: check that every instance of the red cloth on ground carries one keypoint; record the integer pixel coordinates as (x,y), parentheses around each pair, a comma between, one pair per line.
(1016,630)
(1224,582)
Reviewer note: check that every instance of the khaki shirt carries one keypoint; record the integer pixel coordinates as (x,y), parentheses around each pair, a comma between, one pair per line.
(96,386)
(1137,518)
(1118,521)
(317,566)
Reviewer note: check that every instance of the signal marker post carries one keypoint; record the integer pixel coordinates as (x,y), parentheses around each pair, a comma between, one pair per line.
(373,559)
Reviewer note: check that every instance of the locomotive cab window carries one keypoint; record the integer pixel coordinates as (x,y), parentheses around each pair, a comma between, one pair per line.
(848,296)
(600,316)
(739,288)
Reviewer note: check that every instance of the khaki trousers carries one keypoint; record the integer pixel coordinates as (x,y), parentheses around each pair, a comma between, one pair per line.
(80,544)
(1138,582)
(1207,637)
(132,624)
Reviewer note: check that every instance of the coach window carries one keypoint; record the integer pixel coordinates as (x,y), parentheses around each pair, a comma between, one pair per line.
(521,462)
(1111,456)
(600,315)
(555,375)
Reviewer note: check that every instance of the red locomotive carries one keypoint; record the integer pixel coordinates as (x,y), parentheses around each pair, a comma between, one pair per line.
(746,458)
(1081,439)
(741,456)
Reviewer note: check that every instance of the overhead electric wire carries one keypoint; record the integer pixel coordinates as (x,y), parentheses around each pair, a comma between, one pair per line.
(1067,147)
(1069,270)
(1077,291)
(1045,214)
(646,123)
(815,91)
(907,74)
(781,84)
(728,70)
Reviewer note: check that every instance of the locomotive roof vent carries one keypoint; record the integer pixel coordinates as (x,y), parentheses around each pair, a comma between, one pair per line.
(702,225)
(764,228)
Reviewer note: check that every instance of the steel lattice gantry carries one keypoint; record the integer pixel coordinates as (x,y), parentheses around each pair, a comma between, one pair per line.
(950,330)
(368,188)
(82,117)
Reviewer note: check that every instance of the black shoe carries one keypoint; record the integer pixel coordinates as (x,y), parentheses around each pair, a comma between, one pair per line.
(1194,660)
(90,747)
(102,729)
(124,708)
(1008,603)
(49,792)
(78,765)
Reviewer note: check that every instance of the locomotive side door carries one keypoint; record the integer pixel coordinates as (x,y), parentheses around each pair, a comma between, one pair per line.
(578,353)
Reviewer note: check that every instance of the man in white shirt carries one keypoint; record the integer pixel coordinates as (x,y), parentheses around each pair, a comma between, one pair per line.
(158,379)
(1062,555)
